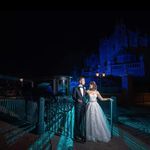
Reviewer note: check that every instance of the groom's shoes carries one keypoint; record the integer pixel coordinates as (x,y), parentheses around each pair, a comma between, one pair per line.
(77,138)
(80,139)
(83,139)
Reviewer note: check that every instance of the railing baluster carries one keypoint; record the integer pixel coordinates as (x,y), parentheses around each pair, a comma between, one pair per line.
(41,108)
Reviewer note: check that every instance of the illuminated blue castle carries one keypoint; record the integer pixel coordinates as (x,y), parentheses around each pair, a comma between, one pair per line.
(120,54)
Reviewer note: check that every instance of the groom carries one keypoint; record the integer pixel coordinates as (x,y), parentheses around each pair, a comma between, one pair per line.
(79,97)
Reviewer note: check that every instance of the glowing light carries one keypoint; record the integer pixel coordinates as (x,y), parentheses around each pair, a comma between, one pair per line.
(103,74)
(21,79)
(97,74)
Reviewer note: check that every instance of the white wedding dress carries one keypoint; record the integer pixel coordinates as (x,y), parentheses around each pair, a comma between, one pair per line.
(97,126)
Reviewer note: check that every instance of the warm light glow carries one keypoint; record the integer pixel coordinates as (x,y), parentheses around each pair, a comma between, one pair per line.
(97,74)
(21,79)
(103,74)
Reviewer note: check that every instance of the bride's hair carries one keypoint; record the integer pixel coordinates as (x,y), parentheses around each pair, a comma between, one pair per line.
(94,85)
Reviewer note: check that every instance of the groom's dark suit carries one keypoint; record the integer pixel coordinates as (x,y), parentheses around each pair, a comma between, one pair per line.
(80,127)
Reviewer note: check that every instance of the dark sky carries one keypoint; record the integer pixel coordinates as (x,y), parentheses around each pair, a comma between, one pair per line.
(43,43)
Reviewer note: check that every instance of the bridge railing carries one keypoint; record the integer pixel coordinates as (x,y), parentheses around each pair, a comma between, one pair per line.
(17,113)
(54,117)
(110,109)
(59,119)
(49,116)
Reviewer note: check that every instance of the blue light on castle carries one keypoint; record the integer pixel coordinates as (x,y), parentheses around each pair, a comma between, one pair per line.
(122,53)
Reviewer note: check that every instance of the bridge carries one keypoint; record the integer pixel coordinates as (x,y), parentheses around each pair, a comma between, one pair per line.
(48,123)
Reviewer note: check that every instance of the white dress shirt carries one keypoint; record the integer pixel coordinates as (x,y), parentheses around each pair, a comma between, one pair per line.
(81,89)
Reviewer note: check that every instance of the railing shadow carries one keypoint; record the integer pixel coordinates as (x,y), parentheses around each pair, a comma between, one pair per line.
(59,120)
(13,111)
(48,116)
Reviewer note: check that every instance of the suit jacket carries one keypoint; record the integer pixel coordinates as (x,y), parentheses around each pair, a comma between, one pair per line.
(77,95)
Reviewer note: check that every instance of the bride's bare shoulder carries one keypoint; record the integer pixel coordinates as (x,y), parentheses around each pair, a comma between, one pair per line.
(97,92)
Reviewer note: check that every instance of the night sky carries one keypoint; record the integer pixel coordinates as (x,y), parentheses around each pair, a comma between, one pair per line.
(45,43)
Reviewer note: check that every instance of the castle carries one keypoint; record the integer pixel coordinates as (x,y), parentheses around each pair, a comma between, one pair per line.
(120,54)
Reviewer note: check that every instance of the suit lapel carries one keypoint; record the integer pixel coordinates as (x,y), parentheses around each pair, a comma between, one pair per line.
(79,91)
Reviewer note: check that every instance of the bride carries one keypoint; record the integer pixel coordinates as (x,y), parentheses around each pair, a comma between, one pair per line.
(97,126)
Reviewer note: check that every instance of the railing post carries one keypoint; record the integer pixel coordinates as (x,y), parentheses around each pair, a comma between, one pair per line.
(113,113)
(114,109)
(111,117)
(41,123)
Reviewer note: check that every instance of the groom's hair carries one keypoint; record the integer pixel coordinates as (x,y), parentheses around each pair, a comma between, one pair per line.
(81,77)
